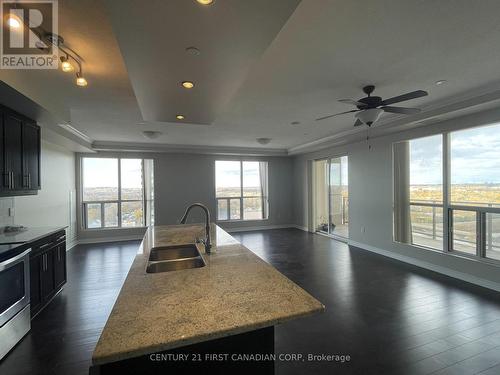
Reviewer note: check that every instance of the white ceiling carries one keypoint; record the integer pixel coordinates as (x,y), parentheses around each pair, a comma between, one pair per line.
(262,65)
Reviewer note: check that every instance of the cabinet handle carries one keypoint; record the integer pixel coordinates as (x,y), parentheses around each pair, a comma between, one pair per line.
(29,180)
(45,245)
(11,184)
(13,181)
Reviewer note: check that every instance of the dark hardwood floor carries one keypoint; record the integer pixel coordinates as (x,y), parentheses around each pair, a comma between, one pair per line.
(389,317)
(64,334)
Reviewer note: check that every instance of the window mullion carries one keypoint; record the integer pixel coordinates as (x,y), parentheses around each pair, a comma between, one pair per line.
(481,234)
(119,193)
(447,222)
(102,215)
(241,189)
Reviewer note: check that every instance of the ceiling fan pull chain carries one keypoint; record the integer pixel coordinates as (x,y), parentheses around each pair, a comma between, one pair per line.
(368,139)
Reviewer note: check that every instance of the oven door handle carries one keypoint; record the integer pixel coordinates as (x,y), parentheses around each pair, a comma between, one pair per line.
(5,264)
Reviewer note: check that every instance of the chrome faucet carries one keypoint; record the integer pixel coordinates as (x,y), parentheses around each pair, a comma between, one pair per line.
(207,242)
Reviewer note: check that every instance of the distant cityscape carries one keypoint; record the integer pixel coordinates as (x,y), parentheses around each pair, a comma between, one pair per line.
(132,214)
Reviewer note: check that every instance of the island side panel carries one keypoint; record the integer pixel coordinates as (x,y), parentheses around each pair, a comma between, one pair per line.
(247,353)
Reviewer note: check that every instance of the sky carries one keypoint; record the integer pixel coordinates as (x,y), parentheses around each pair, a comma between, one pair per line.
(228,174)
(475,157)
(103,172)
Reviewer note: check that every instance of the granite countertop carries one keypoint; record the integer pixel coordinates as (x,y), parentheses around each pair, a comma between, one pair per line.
(13,243)
(235,292)
(31,234)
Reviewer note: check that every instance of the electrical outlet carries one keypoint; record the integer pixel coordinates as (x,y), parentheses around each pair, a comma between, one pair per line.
(12,212)
(362,229)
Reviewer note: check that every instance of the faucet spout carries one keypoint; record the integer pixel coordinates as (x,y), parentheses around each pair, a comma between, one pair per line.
(208,238)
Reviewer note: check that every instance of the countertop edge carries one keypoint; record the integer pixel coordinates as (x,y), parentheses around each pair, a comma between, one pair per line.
(203,338)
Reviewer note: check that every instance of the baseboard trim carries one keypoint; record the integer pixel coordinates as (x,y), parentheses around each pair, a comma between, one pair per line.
(84,241)
(262,227)
(305,229)
(429,266)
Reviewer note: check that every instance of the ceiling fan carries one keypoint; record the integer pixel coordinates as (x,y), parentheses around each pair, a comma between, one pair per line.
(371,108)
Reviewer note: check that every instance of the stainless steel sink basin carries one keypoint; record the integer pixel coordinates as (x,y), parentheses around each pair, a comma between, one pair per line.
(175,265)
(174,252)
(174,258)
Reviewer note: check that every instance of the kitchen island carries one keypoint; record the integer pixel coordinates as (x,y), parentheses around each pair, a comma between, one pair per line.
(230,304)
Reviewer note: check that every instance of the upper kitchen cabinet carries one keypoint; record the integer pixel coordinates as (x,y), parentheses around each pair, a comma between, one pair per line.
(20,154)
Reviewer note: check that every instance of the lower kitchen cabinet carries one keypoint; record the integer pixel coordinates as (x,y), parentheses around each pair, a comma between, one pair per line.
(47,270)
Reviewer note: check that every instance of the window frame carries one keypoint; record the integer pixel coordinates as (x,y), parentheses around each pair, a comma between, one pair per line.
(118,201)
(448,207)
(265,199)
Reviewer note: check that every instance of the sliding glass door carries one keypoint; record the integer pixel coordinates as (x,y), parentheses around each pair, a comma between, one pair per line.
(331,196)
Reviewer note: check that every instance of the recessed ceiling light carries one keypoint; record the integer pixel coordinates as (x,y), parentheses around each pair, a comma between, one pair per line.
(205,2)
(295,123)
(180,117)
(193,51)
(441,82)
(187,84)
(263,141)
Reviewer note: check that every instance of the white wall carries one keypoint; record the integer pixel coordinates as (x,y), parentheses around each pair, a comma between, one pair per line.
(52,206)
(182,179)
(370,200)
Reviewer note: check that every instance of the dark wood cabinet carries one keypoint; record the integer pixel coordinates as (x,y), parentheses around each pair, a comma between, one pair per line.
(35,291)
(20,154)
(47,270)
(12,140)
(60,265)
(31,156)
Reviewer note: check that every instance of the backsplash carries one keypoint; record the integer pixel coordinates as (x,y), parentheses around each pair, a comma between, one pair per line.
(5,205)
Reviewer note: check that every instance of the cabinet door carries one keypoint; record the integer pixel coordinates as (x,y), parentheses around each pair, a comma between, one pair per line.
(60,265)
(12,151)
(3,177)
(48,280)
(31,156)
(35,291)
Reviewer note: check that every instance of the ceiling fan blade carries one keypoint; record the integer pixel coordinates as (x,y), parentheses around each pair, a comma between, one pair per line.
(336,114)
(350,101)
(404,97)
(358,122)
(403,110)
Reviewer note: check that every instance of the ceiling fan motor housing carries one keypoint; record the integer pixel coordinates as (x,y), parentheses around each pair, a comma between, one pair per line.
(370,101)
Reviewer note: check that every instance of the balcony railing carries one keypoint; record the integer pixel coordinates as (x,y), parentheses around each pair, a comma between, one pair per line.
(475,226)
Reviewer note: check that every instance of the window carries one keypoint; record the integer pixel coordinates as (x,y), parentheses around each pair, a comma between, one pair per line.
(331,196)
(418,198)
(115,192)
(241,190)
(461,214)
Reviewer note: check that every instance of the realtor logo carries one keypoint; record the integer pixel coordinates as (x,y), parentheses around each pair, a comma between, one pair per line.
(27,27)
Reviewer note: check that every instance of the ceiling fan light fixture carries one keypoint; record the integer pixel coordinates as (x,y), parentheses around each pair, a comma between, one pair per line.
(369,116)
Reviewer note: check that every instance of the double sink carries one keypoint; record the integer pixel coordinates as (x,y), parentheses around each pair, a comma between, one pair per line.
(174,258)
